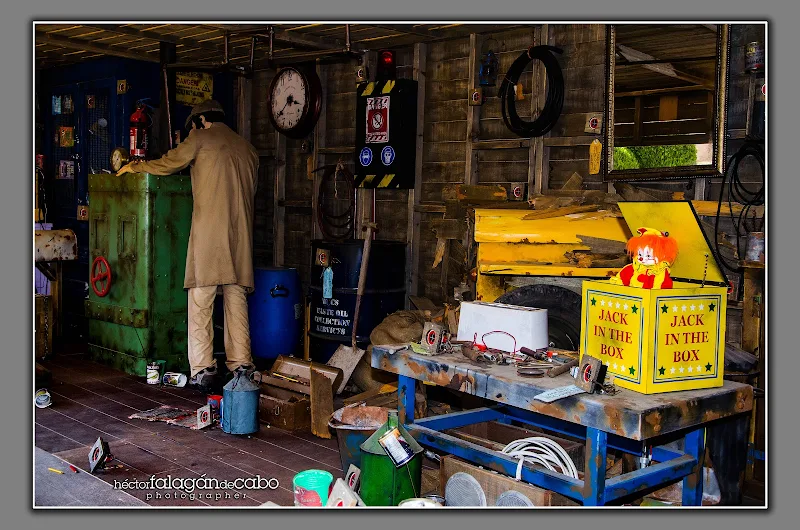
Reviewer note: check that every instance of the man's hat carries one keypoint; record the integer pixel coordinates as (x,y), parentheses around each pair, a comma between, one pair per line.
(201,108)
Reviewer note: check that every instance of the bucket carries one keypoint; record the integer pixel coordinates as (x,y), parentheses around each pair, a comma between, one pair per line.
(362,422)
(312,487)
(755,247)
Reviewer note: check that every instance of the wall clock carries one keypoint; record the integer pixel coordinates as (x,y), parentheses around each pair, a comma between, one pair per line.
(119,157)
(294,101)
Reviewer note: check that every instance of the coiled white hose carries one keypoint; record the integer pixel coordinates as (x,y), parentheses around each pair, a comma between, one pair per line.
(542,451)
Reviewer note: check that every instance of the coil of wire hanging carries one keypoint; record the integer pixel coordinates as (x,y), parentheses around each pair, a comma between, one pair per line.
(336,202)
(555,93)
(737,192)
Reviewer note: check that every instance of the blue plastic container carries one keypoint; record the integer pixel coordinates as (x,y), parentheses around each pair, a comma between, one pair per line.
(276,313)
(240,405)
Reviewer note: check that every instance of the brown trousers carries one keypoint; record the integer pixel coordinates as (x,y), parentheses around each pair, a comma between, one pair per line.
(201,327)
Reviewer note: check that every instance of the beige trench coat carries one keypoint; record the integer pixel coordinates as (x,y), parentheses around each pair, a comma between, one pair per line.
(224,177)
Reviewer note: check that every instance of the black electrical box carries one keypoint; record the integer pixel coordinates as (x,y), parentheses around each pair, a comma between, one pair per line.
(386,134)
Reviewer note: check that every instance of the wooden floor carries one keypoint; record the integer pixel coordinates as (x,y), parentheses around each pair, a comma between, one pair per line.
(91,400)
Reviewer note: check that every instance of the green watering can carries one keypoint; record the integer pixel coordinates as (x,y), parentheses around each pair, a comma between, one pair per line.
(383,482)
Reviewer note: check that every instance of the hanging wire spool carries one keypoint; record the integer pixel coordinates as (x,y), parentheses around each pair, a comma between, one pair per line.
(555,93)
(336,202)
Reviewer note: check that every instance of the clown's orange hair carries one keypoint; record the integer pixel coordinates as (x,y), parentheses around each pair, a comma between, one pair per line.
(665,248)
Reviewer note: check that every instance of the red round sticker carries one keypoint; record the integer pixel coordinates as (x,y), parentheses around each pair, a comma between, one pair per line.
(431,337)
(517,191)
(593,123)
(764,89)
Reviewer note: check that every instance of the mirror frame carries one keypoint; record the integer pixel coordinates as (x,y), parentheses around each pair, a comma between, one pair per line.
(717,167)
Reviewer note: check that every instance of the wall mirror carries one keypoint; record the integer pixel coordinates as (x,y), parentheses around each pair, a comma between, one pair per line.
(666,101)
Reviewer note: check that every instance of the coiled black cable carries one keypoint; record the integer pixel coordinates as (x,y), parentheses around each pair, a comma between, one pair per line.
(555,93)
(738,192)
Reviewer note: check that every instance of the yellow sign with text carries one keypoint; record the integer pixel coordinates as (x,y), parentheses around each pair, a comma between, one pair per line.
(192,88)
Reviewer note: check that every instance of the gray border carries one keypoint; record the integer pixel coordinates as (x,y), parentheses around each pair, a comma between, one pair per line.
(15,32)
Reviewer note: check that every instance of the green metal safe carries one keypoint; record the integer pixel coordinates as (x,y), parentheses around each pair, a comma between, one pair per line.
(138,235)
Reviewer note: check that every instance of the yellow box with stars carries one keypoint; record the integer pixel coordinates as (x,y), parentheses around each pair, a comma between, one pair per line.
(661,340)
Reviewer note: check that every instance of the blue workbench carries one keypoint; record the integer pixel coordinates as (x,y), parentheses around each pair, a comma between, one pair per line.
(627,421)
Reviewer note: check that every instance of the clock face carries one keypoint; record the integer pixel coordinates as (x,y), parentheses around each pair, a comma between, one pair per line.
(119,157)
(289,99)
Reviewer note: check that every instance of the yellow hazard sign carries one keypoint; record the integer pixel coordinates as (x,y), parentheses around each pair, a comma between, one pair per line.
(192,88)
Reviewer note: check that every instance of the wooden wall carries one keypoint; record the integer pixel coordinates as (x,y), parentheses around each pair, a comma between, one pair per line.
(460,144)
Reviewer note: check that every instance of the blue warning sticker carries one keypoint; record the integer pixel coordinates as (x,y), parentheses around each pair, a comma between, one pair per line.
(387,155)
(366,156)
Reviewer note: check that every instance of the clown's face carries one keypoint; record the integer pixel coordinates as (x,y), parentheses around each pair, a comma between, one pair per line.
(645,256)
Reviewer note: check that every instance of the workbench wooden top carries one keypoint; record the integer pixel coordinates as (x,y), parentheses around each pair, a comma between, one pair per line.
(627,413)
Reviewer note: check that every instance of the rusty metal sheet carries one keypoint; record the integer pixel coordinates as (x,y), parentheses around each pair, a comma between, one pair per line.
(55,245)
(628,414)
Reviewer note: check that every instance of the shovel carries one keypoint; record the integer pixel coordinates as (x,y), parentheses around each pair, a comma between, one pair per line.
(347,357)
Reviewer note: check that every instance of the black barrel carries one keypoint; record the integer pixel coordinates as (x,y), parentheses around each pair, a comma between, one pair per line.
(384,292)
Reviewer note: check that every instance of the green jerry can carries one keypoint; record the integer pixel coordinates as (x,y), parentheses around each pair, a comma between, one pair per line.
(138,236)
(383,483)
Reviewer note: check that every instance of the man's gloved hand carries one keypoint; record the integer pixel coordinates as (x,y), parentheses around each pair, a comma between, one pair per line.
(127,168)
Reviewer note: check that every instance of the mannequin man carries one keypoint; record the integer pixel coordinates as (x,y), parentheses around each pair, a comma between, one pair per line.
(224,168)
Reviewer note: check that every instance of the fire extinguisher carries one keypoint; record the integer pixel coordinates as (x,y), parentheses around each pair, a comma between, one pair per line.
(140,131)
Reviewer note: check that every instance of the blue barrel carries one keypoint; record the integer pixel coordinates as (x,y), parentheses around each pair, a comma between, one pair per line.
(240,405)
(276,313)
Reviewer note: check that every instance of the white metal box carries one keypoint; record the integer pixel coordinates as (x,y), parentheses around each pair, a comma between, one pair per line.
(520,326)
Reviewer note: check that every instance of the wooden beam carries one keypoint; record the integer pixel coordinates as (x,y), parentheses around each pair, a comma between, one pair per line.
(567,141)
(244,117)
(414,216)
(520,143)
(664,69)
(538,167)
(408,29)
(346,150)
(88,46)
(364,197)
(292,37)
(473,112)
(652,91)
(279,198)
(155,35)
(318,158)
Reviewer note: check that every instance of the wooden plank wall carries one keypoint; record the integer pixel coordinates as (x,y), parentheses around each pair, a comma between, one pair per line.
(455,137)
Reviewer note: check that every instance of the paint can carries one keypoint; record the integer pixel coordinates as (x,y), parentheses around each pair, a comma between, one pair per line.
(174,379)
(215,400)
(755,247)
(754,57)
(419,503)
(42,398)
(154,370)
(312,487)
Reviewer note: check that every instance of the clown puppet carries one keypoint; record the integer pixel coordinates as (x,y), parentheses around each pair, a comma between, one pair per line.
(653,252)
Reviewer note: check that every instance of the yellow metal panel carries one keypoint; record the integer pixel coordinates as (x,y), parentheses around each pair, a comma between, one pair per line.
(490,288)
(385,181)
(368,89)
(508,226)
(528,269)
(679,219)
(521,252)
(388,86)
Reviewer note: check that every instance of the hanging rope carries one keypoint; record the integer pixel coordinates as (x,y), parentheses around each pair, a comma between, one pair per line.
(555,93)
(338,181)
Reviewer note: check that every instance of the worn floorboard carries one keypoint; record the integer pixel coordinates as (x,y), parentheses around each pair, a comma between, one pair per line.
(92,400)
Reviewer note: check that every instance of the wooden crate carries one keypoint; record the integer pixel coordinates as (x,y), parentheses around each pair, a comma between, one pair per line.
(284,409)
(44,325)
(494,484)
(495,435)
